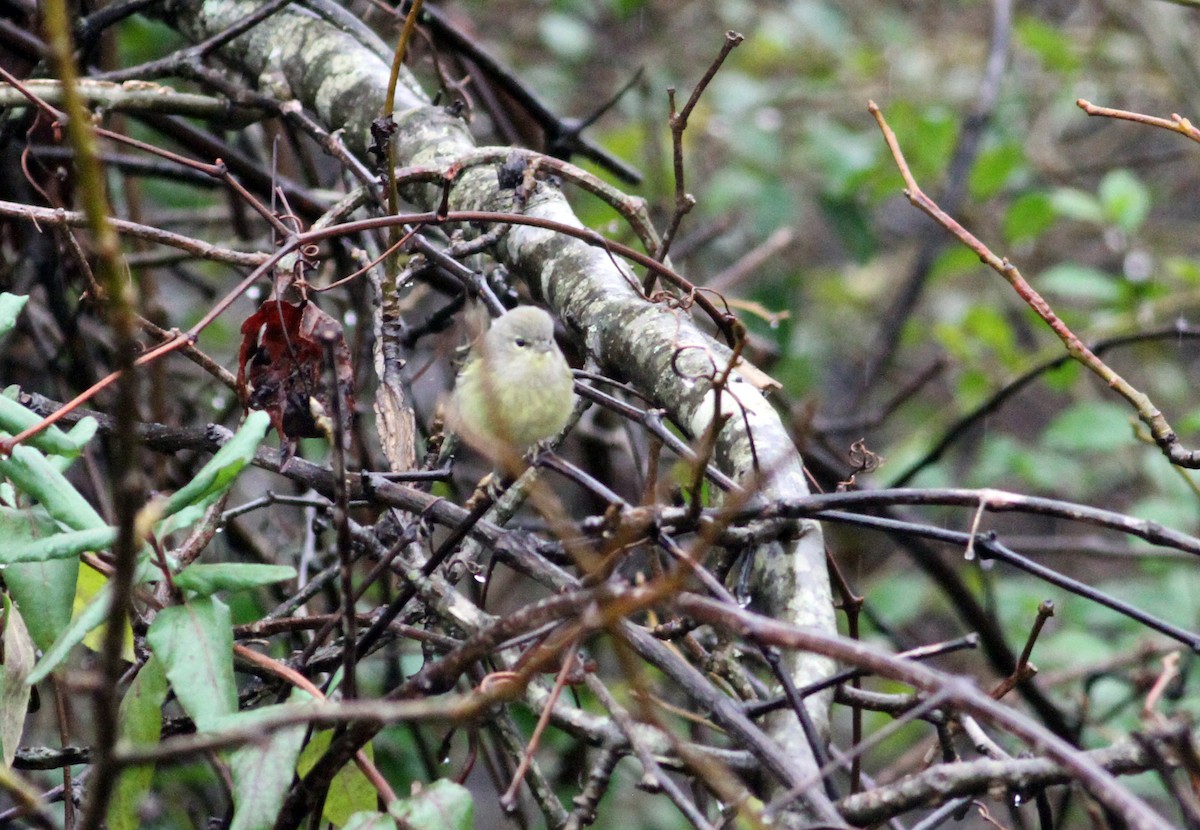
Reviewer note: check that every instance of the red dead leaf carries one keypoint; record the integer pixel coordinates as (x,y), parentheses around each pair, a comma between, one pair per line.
(281,370)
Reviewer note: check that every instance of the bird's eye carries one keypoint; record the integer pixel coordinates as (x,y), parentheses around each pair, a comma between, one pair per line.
(520,341)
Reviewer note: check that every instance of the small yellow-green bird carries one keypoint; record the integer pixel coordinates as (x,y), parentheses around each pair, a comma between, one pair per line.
(515,390)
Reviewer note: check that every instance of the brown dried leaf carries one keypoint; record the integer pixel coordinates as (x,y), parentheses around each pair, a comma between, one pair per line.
(281,370)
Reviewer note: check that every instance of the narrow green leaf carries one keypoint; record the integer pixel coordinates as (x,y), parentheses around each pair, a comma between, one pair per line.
(370,821)
(205,580)
(14,691)
(263,772)
(91,616)
(195,643)
(1028,217)
(1125,198)
(14,418)
(185,518)
(1076,204)
(59,546)
(44,591)
(443,805)
(33,475)
(220,471)
(1054,47)
(994,168)
(10,308)
(140,724)
(83,431)
(1091,426)
(1080,282)
(350,792)
(88,617)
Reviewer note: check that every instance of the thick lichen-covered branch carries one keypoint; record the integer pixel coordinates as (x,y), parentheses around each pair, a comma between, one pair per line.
(338,74)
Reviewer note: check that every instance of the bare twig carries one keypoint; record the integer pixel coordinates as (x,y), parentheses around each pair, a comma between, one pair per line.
(1162,432)
(678,122)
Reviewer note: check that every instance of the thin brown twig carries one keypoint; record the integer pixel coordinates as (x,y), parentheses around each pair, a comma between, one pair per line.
(724,321)
(1164,435)
(341,514)
(957,691)
(76,219)
(1176,123)
(1170,670)
(678,122)
(298,680)
(508,801)
(217,170)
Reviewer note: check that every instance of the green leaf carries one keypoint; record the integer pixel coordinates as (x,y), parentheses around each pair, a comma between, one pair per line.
(988,325)
(568,37)
(185,518)
(1125,199)
(45,591)
(1056,49)
(83,431)
(59,546)
(899,597)
(938,126)
(995,167)
(850,221)
(92,615)
(139,724)
(443,805)
(1077,204)
(262,772)
(220,471)
(195,643)
(1028,217)
(1182,268)
(370,821)
(10,308)
(350,792)
(15,418)
(972,387)
(954,261)
(206,580)
(844,157)
(140,717)
(33,475)
(1064,377)
(1080,282)
(1090,426)
(14,691)
(87,618)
